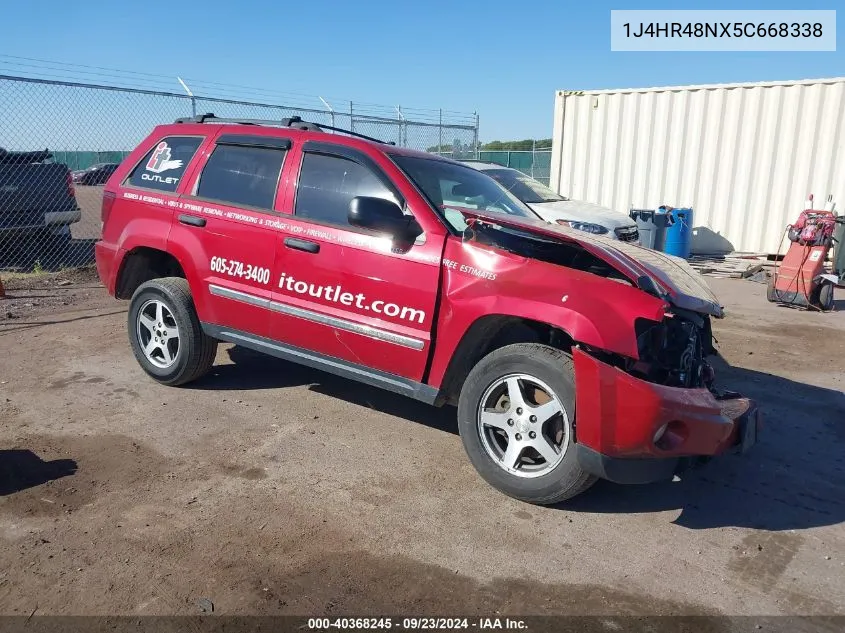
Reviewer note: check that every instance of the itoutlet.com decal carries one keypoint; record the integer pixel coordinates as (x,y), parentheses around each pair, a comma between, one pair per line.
(337,294)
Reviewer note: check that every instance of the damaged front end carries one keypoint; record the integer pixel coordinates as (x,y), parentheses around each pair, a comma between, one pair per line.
(673,352)
(650,418)
(648,409)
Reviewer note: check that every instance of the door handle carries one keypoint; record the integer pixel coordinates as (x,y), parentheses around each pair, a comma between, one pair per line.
(302,245)
(191,220)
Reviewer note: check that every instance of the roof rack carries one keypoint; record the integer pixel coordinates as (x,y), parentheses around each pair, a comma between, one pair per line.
(294,122)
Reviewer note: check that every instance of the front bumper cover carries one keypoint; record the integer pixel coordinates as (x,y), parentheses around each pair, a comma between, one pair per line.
(618,416)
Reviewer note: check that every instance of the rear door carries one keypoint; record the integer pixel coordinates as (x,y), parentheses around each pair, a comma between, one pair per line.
(148,194)
(347,292)
(223,226)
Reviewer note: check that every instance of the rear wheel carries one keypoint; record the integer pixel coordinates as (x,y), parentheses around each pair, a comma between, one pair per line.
(165,333)
(825,295)
(516,416)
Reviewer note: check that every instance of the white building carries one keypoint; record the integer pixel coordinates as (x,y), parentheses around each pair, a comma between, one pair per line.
(743,156)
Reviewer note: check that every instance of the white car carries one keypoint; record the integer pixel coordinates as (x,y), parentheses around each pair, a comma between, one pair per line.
(554,208)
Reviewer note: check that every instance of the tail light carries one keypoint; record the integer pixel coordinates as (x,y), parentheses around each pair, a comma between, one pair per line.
(71,189)
(108,202)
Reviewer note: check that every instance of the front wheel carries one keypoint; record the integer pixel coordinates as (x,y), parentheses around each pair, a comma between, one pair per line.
(516,416)
(165,333)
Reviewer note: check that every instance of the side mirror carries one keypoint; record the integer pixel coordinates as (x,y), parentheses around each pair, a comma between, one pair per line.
(465,191)
(385,216)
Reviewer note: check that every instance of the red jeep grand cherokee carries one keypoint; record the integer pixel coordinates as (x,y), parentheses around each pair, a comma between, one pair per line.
(423,276)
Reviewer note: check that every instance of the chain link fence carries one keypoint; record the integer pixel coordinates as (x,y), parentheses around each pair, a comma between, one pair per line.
(60,142)
(536,163)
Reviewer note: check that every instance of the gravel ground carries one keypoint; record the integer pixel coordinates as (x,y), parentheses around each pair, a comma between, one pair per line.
(267,488)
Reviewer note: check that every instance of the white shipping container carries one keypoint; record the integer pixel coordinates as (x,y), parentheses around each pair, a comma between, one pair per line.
(743,156)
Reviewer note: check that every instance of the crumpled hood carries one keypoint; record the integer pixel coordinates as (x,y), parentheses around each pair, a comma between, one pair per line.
(580,211)
(675,280)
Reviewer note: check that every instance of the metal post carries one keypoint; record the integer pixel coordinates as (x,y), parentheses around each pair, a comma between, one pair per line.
(330,109)
(399,114)
(190,95)
(351,119)
(533,155)
(440,134)
(475,136)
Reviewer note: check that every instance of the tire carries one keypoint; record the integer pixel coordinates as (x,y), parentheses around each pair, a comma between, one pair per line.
(156,307)
(825,296)
(520,367)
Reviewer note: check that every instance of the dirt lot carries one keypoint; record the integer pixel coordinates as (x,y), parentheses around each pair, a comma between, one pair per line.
(90,200)
(269,488)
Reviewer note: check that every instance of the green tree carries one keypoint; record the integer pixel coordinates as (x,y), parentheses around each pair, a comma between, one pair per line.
(523,145)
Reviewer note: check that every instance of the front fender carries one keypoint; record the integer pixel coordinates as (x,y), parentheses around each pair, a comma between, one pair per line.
(591,309)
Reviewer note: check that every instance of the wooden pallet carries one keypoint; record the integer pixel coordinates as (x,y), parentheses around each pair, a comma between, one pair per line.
(732,265)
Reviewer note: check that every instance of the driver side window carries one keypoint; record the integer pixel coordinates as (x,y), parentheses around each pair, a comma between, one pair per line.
(327,185)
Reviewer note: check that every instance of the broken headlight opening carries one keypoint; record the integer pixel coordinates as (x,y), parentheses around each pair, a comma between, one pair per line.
(673,352)
(588,227)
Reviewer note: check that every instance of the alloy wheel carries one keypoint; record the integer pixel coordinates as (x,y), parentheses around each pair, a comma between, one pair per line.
(523,425)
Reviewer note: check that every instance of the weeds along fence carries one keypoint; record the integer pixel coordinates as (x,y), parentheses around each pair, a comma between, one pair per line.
(88,127)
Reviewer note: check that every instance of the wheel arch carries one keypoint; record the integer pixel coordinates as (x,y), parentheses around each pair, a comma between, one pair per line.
(142,264)
(487,334)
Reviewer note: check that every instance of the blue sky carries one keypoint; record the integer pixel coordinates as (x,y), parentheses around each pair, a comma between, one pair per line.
(503,59)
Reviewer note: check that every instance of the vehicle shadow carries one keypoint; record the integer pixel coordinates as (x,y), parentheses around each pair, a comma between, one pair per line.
(21,469)
(7,327)
(838,306)
(793,478)
(253,370)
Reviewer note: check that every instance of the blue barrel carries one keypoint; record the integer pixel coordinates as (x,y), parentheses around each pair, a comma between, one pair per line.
(679,234)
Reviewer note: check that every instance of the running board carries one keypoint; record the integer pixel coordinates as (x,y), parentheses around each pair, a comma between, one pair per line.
(339,367)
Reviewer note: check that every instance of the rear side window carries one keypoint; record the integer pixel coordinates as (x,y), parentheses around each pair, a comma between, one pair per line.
(165,164)
(242,175)
(327,185)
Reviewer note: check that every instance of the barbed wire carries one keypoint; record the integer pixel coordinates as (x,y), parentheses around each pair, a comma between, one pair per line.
(86,73)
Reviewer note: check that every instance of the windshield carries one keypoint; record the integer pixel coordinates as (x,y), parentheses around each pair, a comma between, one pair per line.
(527,189)
(453,187)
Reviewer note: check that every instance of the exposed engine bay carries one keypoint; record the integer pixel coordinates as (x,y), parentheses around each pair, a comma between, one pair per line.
(545,249)
(671,352)
(674,351)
